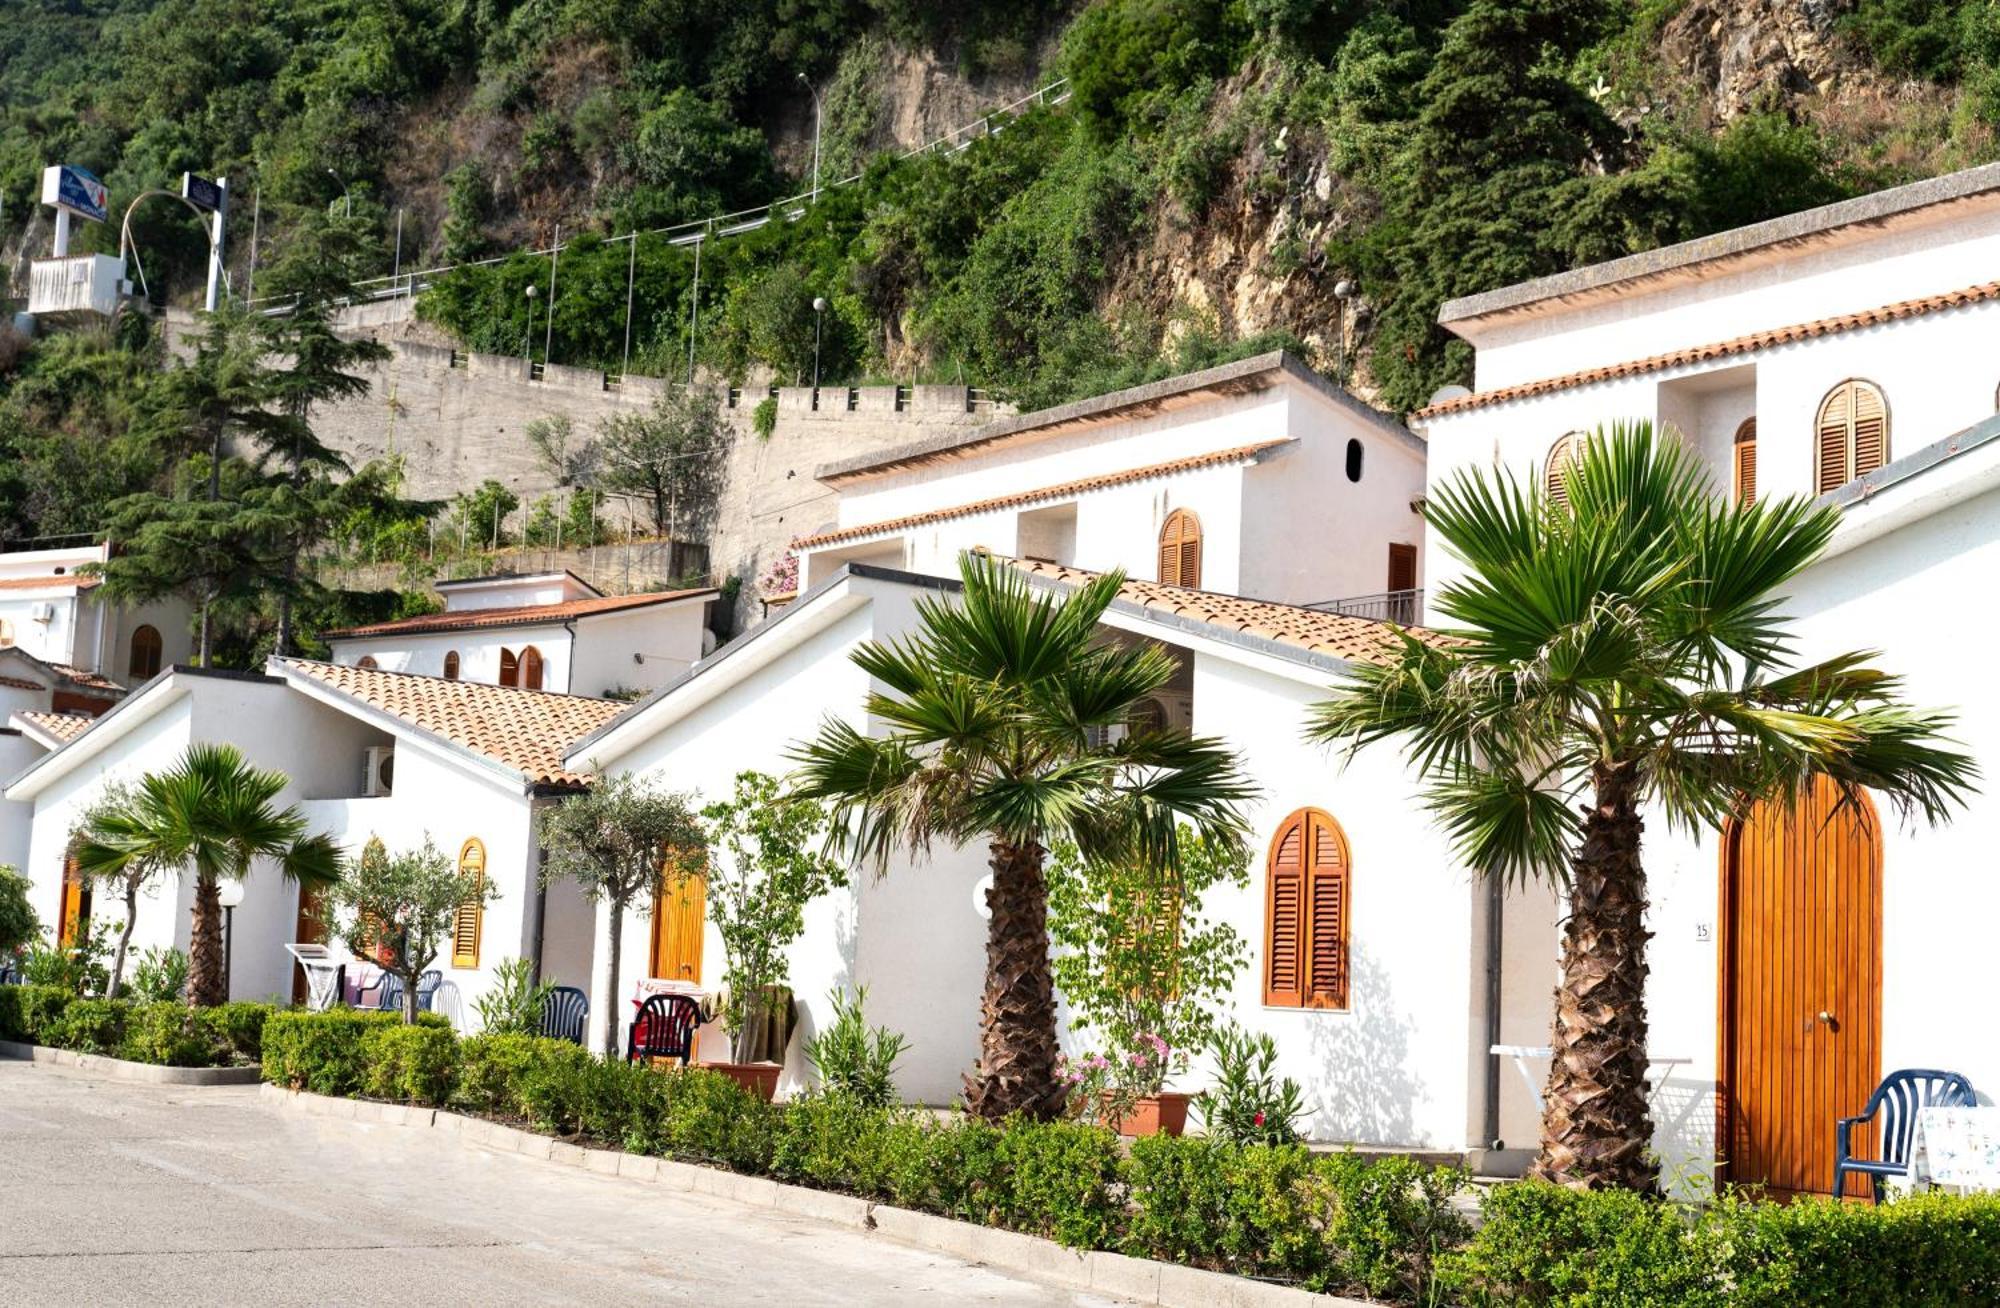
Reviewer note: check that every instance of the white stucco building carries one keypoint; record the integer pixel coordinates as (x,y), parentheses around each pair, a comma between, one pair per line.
(49,610)
(1845,352)
(548,631)
(1252,488)
(368,754)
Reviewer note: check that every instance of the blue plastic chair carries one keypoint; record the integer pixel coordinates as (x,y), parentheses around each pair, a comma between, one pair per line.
(664,1028)
(1898,1098)
(427,988)
(389,993)
(565,1012)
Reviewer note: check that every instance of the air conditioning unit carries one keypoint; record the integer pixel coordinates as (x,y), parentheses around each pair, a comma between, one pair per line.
(42,611)
(378,771)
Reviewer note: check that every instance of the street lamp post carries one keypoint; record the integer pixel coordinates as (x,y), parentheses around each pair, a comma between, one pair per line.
(528,338)
(346,197)
(819,316)
(816,121)
(229,894)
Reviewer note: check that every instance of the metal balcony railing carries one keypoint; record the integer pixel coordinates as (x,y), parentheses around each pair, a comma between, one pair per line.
(1403,607)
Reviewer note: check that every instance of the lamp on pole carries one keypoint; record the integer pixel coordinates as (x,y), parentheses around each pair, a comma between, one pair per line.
(528,338)
(819,316)
(816,120)
(347,198)
(229,894)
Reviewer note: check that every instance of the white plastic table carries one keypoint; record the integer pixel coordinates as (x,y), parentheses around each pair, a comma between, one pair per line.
(1522,1053)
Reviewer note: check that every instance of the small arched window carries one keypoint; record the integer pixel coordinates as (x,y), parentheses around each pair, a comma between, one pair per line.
(451,665)
(143,663)
(510,668)
(1180,550)
(1561,456)
(367,663)
(1306,913)
(1354,456)
(531,669)
(466,922)
(1746,462)
(1853,435)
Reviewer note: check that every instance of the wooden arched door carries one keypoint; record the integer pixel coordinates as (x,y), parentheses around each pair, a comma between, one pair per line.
(1801,987)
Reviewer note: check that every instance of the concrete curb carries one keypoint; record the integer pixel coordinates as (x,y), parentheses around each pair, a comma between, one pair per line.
(118,1069)
(1140,1280)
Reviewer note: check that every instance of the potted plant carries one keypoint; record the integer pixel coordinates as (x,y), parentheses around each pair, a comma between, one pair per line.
(764,867)
(1143,970)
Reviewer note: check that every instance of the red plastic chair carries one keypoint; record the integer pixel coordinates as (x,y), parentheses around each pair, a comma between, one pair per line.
(664,1028)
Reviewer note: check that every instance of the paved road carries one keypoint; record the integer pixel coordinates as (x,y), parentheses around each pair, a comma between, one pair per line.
(113,1193)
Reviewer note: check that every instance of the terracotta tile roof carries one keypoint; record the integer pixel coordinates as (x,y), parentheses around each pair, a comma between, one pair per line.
(21,683)
(88,679)
(1217,458)
(522,615)
(1763,340)
(527,730)
(1335,634)
(64,727)
(68,581)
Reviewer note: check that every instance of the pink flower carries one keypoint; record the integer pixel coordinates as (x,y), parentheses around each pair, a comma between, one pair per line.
(1258,1120)
(1138,1060)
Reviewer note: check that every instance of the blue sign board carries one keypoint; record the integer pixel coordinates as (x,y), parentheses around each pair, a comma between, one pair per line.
(75,189)
(200,192)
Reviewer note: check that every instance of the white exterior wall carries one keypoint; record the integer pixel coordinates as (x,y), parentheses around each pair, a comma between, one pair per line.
(440,798)
(1308,533)
(17,819)
(53,641)
(168,617)
(1397,1066)
(667,636)
(478,652)
(1934,251)
(750,727)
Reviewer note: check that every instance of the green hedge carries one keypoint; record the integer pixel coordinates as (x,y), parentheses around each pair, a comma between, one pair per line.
(168,1033)
(1335,1223)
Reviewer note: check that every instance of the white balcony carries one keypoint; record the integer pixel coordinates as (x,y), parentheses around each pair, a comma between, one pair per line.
(75,287)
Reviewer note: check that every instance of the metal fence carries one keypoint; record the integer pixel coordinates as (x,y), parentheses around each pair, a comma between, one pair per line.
(1403,607)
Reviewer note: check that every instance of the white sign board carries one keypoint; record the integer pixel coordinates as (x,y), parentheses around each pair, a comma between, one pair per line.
(75,190)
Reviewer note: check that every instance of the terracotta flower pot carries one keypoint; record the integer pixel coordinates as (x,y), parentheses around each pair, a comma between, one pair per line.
(1161,1114)
(761,1079)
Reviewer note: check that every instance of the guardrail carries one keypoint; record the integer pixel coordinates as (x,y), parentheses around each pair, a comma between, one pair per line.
(790,209)
(1403,607)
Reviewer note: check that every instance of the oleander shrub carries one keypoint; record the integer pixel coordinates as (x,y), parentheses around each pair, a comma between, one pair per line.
(323,1052)
(25,1010)
(408,1064)
(88,1026)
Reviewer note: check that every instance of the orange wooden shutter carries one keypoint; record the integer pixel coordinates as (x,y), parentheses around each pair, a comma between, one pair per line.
(1402,567)
(1560,457)
(1326,882)
(1746,462)
(465,927)
(510,668)
(451,665)
(1835,420)
(679,917)
(1180,550)
(531,668)
(73,916)
(1284,937)
(1871,429)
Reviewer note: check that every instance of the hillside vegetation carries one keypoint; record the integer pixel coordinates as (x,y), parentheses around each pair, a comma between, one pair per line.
(1216,171)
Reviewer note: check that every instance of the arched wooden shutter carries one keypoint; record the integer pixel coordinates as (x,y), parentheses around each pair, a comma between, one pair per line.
(1853,435)
(1746,462)
(1561,456)
(1326,913)
(367,663)
(510,668)
(1180,550)
(465,927)
(531,668)
(1285,936)
(451,665)
(1307,906)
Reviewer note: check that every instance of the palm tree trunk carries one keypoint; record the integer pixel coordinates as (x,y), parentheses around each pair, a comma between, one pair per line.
(611,979)
(1597,1126)
(205,986)
(124,938)
(1017,1018)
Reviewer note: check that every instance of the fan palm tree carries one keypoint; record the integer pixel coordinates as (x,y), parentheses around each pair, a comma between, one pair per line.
(213,813)
(1620,656)
(993,707)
